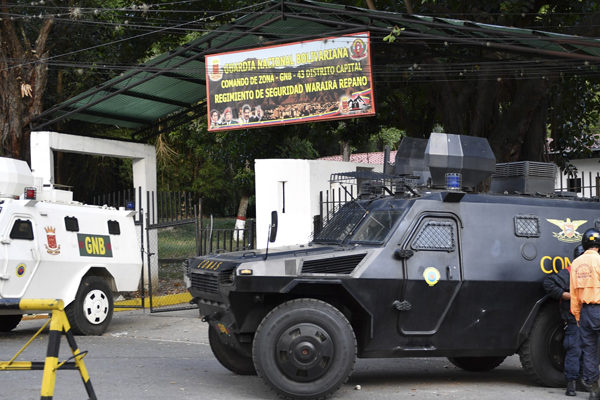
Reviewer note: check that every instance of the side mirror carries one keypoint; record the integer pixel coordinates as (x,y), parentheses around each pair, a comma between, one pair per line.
(273,227)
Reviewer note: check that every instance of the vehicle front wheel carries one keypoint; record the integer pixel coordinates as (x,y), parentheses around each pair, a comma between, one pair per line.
(91,311)
(229,357)
(476,364)
(304,349)
(542,354)
(9,322)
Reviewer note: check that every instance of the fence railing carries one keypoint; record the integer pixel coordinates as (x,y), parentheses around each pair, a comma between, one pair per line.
(226,240)
(122,198)
(167,208)
(582,183)
(329,202)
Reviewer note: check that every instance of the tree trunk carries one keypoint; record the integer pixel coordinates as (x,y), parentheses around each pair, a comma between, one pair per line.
(345,150)
(240,221)
(520,134)
(23,79)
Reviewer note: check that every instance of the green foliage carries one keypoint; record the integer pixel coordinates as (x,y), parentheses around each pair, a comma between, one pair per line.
(388,136)
(295,147)
(574,118)
(493,106)
(119,34)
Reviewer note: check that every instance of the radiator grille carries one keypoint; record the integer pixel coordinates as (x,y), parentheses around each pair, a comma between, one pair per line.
(336,265)
(205,282)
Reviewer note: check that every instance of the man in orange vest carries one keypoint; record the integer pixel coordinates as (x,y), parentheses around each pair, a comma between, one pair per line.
(585,306)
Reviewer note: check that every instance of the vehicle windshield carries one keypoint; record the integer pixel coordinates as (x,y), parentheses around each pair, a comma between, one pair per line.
(342,224)
(376,226)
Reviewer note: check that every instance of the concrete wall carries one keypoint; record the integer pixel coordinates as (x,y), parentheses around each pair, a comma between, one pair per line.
(291,187)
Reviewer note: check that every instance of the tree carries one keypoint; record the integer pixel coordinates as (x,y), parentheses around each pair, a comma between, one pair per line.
(486,93)
(23,77)
(50,52)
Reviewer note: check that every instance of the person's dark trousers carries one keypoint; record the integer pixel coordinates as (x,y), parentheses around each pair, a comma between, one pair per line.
(589,329)
(572,346)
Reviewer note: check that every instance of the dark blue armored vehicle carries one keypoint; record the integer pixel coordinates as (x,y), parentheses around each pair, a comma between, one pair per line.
(419,265)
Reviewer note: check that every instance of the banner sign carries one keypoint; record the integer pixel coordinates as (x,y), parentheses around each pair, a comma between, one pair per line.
(313,80)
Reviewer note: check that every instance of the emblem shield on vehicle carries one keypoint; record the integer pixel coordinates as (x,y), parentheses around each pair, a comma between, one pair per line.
(568,233)
(52,247)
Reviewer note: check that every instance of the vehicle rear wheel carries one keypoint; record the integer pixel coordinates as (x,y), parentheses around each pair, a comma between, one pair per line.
(229,357)
(542,354)
(9,322)
(476,364)
(91,311)
(304,349)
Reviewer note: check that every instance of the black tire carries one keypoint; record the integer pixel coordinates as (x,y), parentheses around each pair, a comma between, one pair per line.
(542,354)
(304,349)
(9,322)
(91,311)
(476,364)
(229,357)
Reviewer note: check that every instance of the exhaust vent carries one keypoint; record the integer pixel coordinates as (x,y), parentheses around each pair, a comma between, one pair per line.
(527,177)
(334,265)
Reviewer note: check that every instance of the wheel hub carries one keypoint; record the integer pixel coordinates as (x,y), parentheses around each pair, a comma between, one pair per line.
(95,307)
(304,352)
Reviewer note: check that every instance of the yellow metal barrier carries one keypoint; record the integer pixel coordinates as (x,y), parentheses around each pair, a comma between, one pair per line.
(58,324)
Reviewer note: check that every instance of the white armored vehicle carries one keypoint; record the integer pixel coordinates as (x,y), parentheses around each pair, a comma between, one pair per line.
(53,247)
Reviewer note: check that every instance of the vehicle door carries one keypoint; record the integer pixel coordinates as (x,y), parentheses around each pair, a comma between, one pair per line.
(21,256)
(432,273)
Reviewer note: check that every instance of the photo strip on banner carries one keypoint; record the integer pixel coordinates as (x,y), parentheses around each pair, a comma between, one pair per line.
(314,80)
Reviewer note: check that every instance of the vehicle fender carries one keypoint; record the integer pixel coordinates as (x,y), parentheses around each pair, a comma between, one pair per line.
(338,294)
(528,324)
(70,290)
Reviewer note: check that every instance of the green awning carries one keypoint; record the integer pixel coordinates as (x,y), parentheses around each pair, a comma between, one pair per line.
(171,87)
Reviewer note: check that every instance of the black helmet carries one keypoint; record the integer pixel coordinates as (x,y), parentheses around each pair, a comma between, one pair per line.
(591,238)
(578,251)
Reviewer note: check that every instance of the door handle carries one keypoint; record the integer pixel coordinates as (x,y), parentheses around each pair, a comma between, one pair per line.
(402,305)
(449,274)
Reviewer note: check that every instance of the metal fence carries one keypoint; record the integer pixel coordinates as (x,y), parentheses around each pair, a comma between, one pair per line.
(568,182)
(222,240)
(171,232)
(330,202)
(580,183)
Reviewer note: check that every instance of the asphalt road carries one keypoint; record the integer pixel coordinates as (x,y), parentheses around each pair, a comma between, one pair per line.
(167,356)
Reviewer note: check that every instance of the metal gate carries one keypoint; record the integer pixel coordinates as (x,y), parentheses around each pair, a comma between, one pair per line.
(170,232)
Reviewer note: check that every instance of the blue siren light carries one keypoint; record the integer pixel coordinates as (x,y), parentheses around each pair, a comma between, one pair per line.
(453,181)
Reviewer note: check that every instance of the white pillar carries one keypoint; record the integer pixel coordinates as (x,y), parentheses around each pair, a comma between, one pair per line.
(144,170)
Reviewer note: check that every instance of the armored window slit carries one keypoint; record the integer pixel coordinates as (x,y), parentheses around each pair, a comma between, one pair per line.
(22,229)
(114,228)
(527,226)
(71,224)
(435,236)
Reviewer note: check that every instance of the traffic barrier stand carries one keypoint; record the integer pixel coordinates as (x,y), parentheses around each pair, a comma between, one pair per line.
(58,324)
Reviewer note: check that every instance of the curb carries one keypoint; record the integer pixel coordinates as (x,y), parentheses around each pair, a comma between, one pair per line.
(157,301)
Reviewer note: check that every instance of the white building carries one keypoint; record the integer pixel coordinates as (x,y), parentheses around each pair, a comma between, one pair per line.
(292,187)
